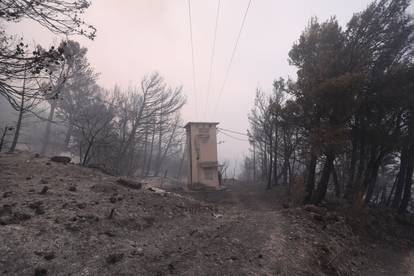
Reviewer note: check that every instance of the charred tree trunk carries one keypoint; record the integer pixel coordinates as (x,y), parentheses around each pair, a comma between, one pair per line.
(270,170)
(144,158)
(408,182)
(353,194)
(167,148)
(285,171)
(46,138)
(372,181)
(275,154)
(264,163)
(352,168)
(338,189)
(151,151)
(68,135)
(87,152)
(3,136)
(392,192)
(400,180)
(410,164)
(310,181)
(19,123)
(372,184)
(324,181)
(160,135)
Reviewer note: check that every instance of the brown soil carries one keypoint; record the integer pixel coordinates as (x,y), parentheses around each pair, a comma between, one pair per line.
(58,219)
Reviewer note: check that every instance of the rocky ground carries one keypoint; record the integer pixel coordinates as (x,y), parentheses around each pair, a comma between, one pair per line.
(58,219)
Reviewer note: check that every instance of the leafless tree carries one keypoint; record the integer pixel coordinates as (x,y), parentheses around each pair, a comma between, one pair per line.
(93,127)
(146,115)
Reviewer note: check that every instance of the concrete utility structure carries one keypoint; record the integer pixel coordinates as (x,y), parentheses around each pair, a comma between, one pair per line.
(202,155)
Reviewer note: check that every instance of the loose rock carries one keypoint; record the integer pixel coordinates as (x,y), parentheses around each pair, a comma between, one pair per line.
(129,183)
(61,159)
(114,258)
(72,188)
(40,272)
(38,207)
(44,190)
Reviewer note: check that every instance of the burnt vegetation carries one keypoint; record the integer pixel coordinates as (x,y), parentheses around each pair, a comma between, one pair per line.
(332,159)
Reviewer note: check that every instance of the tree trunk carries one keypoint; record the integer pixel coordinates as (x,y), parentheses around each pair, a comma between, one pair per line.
(354,194)
(373,178)
(408,182)
(181,165)
(68,135)
(167,147)
(46,138)
(289,183)
(160,135)
(88,149)
(144,158)
(285,171)
(151,151)
(392,192)
(19,123)
(324,181)
(352,167)
(270,170)
(401,179)
(310,181)
(336,183)
(264,162)
(270,165)
(19,120)
(275,154)
(131,164)
(6,128)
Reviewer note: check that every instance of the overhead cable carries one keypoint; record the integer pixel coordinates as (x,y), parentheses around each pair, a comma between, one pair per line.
(233,137)
(213,50)
(232,56)
(192,58)
(233,131)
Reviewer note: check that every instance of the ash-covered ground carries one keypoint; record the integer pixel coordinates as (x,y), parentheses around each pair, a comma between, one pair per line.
(58,219)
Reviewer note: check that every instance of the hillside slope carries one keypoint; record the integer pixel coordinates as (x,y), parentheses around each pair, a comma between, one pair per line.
(58,219)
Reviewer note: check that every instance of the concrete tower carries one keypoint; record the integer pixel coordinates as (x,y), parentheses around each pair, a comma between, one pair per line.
(202,155)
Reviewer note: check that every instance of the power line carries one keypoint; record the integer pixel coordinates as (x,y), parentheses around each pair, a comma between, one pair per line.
(192,57)
(235,138)
(232,56)
(233,131)
(212,57)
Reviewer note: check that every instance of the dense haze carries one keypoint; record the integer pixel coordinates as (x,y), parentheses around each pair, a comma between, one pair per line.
(135,38)
(314,102)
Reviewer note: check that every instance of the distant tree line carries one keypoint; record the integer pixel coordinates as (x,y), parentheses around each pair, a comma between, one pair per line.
(137,131)
(345,126)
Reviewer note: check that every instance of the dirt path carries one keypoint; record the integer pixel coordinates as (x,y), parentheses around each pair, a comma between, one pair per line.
(256,200)
(244,196)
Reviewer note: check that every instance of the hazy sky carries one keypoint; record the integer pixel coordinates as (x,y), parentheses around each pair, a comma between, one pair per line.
(136,37)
